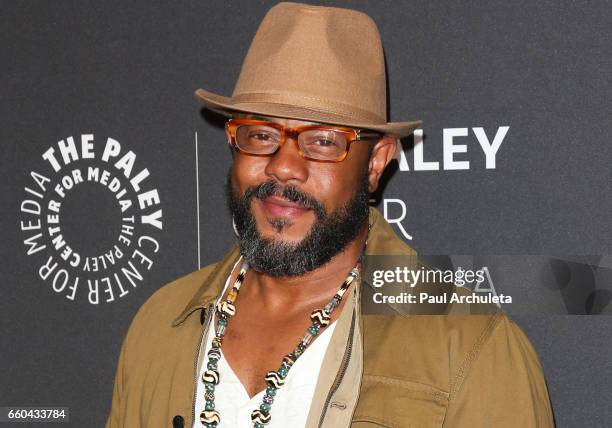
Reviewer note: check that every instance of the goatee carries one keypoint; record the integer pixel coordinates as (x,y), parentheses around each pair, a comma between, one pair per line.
(329,235)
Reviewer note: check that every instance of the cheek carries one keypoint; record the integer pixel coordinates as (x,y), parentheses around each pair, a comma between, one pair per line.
(323,187)
(248,171)
(332,186)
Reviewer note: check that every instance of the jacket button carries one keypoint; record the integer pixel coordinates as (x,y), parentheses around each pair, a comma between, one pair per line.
(178,422)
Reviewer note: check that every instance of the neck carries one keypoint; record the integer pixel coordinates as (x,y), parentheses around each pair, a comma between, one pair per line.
(317,287)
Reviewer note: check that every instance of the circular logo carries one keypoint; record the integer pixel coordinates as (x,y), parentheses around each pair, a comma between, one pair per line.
(90,219)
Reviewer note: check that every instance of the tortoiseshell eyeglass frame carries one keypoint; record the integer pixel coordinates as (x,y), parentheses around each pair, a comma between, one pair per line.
(351,135)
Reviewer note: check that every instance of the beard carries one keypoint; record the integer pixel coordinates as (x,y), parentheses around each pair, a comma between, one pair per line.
(329,235)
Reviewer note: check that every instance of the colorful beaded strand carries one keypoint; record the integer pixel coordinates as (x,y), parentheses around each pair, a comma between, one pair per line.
(210,417)
(260,417)
(275,379)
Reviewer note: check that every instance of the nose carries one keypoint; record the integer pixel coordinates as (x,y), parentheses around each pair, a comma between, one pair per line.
(287,165)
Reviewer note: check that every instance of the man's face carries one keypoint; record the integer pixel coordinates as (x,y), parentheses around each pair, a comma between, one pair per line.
(294,214)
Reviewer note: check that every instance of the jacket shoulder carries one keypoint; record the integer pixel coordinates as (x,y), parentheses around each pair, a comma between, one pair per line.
(182,288)
(170,299)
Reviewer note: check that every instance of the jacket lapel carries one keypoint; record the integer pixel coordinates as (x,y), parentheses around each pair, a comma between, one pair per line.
(211,287)
(339,383)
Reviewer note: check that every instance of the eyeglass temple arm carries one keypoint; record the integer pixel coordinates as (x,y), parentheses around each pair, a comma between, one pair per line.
(365,134)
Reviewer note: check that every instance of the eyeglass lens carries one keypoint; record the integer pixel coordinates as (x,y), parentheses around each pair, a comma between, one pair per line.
(317,143)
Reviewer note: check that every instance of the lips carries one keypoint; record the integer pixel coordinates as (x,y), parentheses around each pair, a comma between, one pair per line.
(281,207)
(283,202)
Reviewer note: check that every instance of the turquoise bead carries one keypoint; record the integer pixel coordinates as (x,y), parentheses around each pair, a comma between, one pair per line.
(282,372)
(264,407)
(210,406)
(271,391)
(222,321)
(313,329)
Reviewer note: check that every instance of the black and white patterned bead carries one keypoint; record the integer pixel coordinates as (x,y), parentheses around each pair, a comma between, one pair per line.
(321,317)
(214,353)
(274,379)
(341,292)
(239,278)
(257,416)
(211,376)
(210,417)
(226,308)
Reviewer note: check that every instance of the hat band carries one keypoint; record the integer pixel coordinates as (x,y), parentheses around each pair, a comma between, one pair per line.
(310,102)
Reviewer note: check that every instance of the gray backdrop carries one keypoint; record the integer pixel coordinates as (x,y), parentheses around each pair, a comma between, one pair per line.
(127,71)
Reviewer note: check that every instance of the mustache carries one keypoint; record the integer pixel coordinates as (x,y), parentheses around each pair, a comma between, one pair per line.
(291,193)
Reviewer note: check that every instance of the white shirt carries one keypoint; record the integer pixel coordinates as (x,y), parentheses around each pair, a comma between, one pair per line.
(292,400)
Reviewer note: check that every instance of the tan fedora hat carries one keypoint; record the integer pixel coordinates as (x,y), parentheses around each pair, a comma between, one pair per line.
(313,63)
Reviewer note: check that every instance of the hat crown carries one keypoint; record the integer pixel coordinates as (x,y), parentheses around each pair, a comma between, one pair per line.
(322,57)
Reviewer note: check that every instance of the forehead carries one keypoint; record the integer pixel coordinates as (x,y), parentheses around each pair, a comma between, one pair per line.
(290,123)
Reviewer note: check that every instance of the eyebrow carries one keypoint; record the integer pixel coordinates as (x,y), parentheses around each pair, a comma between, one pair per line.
(269,119)
(244,115)
(254,116)
(364,132)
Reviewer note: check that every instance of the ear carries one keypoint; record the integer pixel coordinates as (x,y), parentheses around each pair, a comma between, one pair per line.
(383,152)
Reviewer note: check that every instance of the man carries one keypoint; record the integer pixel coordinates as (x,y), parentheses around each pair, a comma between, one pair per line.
(273,334)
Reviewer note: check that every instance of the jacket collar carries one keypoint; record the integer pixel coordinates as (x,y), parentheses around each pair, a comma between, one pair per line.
(382,240)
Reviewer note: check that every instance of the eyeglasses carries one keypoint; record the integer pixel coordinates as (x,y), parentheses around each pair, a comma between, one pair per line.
(324,143)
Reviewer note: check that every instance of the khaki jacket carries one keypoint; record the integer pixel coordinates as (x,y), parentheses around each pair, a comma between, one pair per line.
(378,371)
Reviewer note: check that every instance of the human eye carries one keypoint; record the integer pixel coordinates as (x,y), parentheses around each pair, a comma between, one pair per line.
(262,135)
(324,142)
(321,139)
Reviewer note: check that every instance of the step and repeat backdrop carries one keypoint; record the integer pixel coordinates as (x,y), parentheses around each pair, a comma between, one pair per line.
(113,176)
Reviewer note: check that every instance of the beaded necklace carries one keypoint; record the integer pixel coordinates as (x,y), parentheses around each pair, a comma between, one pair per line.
(210,417)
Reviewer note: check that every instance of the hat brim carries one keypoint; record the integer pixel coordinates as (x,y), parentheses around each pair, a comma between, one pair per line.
(227,106)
